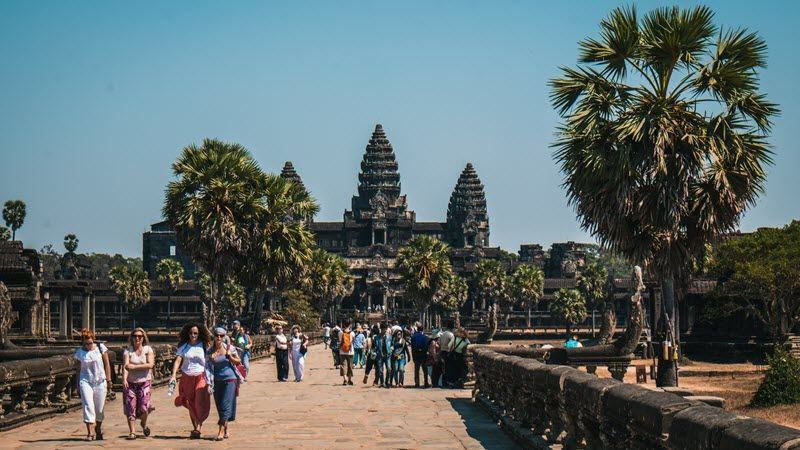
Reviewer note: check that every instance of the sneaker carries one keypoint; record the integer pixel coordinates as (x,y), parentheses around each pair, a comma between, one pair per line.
(350,382)
(365,380)
(344,383)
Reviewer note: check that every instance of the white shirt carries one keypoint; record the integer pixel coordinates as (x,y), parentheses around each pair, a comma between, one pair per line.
(92,369)
(280,342)
(445,340)
(327,331)
(194,359)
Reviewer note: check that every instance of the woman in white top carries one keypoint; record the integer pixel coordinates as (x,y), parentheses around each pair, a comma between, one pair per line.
(137,364)
(299,348)
(93,383)
(193,391)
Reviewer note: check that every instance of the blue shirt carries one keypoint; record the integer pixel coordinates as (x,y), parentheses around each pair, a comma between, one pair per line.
(572,343)
(358,342)
(221,368)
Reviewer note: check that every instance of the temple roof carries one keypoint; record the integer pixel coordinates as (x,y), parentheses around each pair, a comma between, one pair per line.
(327,226)
(290,174)
(11,256)
(379,168)
(428,226)
(468,198)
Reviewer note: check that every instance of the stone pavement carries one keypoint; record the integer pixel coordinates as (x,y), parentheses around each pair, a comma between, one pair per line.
(316,413)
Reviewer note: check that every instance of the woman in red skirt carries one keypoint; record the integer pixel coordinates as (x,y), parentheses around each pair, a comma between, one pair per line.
(193,391)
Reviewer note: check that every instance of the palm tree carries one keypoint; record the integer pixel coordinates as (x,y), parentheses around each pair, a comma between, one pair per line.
(527,284)
(451,296)
(327,279)
(5,233)
(132,288)
(569,306)
(233,303)
(592,285)
(170,275)
(71,243)
(493,285)
(212,206)
(664,139)
(424,266)
(14,216)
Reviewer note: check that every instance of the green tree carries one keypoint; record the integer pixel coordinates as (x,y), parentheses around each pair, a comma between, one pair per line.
(527,285)
(591,283)
(424,266)
(326,279)
(233,303)
(298,310)
(5,233)
(664,139)
(71,243)
(494,285)
(759,273)
(169,273)
(132,288)
(569,306)
(6,317)
(14,216)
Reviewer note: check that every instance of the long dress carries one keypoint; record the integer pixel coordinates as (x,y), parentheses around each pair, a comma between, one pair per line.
(298,359)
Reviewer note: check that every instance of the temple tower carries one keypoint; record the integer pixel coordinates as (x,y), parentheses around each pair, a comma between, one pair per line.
(288,173)
(467,218)
(379,180)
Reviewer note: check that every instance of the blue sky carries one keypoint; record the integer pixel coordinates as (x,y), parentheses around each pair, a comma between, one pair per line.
(97,99)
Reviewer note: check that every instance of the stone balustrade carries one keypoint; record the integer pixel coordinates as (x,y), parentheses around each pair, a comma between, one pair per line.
(541,404)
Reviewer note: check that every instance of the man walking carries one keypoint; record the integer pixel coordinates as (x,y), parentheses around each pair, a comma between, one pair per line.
(445,342)
(419,353)
(281,354)
(346,339)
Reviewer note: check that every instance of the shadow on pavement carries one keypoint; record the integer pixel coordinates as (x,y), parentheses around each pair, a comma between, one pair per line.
(480,426)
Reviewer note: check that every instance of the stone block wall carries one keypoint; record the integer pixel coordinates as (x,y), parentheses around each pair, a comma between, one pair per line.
(541,405)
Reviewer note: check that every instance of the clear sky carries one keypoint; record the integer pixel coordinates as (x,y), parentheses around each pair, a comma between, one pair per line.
(97,99)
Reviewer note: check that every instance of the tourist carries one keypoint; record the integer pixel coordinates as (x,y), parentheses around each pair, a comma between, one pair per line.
(94,382)
(372,349)
(346,338)
(419,353)
(434,360)
(281,353)
(224,378)
(358,347)
(242,342)
(335,336)
(400,354)
(445,341)
(299,346)
(137,365)
(573,342)
(458,358)
(383,342)
(326,334)
(193,391)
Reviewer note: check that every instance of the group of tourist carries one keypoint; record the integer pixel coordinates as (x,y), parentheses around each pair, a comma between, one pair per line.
(209,364)
(385,348)
(294,345)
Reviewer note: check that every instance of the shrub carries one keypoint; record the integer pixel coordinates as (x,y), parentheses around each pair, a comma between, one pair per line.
(781,384)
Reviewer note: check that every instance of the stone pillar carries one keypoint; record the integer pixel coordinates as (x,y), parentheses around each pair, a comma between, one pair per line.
(92,313)
(85,307)
(46,315)
(62,317)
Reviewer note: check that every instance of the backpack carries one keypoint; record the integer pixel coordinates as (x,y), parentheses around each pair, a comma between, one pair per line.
(373,349)
(346,344)
(334,340)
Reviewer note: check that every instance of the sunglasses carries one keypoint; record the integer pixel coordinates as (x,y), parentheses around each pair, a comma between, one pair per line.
(220,335)
(138,336)
(194,334)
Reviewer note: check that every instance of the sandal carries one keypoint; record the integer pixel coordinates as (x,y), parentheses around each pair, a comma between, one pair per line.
(195,434)
(131,436)
(89,437)
(219,438)
(146,431)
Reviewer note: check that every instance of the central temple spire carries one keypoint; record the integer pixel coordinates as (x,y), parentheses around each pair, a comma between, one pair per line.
(379,169)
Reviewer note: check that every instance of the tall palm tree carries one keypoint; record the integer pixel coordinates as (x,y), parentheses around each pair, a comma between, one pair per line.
(451,296)
(170,275)
(212,206)
(527,284)
(132,288)
(326,278)
(71,243)
(493,284)
(664,139)
(14,216)
(592,284)
(424,266)
(569,306)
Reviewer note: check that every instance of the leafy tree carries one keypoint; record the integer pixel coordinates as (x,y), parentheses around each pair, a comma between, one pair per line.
(664,138)
(298,310)
(569,306)
(759,274)
(493,284)
(14,216)
(71,243)
(527,285)
(6,317)
(233,303)
(132,287)
(592,282)
(169,273)
(451,295)
(614,264)
(326,279)
(5,233)
(424,266)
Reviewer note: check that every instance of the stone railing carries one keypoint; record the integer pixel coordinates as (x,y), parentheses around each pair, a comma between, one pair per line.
(541,405)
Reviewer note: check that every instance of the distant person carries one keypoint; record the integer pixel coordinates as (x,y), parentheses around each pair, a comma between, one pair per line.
(335,336)
(458,359)
(193,390)
(281,353)
(299,348)
(419,353)
(326,335)
(94,382)
(358,347)
(346,338)
(445,342)
(400,354)
(573,342)
(242,342)
(434,360)
(138,360)
(224,379)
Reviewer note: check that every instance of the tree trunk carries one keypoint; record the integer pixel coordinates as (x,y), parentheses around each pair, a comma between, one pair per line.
(667,368)
(212,318)
(259,306)
(528,320)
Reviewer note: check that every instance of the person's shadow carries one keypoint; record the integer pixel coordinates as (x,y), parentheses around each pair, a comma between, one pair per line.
(480,426)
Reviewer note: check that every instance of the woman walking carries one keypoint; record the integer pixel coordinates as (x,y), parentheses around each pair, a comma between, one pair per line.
(434,361)
(94,382)
(193,392)
(299,349)
(224,380)
(137,365)
(458,358)
(400,354)
(358,347)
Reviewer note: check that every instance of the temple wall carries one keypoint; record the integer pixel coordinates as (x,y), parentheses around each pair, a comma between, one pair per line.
(540,404)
